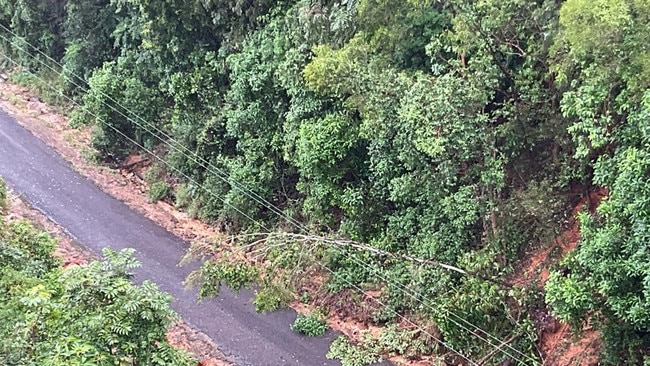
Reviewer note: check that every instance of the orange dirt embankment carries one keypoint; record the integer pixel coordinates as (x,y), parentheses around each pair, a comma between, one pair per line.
(558,344)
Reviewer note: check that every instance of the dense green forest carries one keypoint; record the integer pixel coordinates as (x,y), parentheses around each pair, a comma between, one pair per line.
(83,315)
(456,132)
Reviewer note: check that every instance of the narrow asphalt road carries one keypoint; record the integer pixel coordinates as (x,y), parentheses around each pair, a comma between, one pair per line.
(98,220)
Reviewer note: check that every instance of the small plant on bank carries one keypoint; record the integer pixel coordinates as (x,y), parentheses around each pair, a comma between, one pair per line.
(158,191)
(310,325)
(90,155)
(304,297)
(352,355)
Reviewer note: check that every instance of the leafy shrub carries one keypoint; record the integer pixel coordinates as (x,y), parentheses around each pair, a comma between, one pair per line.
(304,297)
(158,191)
(46,84)
(155,172)
(3,197)
(25,248)
(271,297)
(214,273)
(86,313)
(347,272)
(407,343)
(485,304)
(184,195)
(113,84)
(352,355)
(392,341)
(310,325)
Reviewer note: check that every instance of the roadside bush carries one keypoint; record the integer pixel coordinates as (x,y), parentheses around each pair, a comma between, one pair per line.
(214,273)
(158,191)
(46,84)
(271,297)
(352,355)
(310,325)
(184,195)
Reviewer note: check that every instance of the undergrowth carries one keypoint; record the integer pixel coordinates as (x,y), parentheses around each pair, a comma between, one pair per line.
(311,325)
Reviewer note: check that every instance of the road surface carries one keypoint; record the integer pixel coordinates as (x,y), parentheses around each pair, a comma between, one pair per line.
(97,220)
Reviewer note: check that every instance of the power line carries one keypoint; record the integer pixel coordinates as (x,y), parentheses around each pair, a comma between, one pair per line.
(251,194)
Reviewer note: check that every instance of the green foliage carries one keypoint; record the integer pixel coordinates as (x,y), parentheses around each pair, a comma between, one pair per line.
(214,273)
(606,270)
(304,297)
(345,267)
(604,64)
(4,198)
(116,125)
(85,315)
(33,22)
(271,297)
(350,354)
(88,29)
(481,302)
(410,344)
(311,325)
(24,247)
(588,25)
(609,67)
(158,191)
(137,316)
(47,91)
(392,341)
(184,195)
(327,150)
(401,30)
